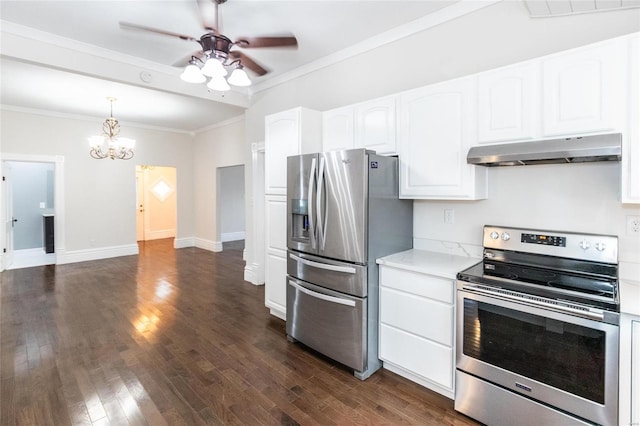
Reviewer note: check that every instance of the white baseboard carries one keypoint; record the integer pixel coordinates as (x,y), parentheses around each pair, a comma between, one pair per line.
(232,236)
(208,244)
(252,274)
(28,258)
(96,253)
(184,242)
(160,234)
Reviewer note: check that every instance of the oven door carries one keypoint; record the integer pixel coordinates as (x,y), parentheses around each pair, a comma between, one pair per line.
(550,356)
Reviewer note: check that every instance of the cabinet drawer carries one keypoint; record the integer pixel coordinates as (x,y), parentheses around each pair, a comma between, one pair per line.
(423,357)
(424,317)
(441,289)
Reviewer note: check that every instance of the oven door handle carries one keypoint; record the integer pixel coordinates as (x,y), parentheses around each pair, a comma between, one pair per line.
(564,307)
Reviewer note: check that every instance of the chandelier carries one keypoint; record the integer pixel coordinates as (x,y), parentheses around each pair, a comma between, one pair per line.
(108,144)
(214,65)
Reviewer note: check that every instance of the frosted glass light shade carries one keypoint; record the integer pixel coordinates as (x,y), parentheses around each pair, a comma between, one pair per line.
(127,143)
(192,74)
(96,141)
(218,84)
(239,78)
(213,68)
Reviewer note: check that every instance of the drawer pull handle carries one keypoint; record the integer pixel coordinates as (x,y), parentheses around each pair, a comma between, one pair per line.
(325,297)
(335,268)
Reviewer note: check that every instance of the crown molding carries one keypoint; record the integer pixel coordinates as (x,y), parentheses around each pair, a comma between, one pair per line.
(91,118)
(224,123)
(431,20)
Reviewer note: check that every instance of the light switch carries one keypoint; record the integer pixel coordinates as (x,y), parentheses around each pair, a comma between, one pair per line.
(43,205)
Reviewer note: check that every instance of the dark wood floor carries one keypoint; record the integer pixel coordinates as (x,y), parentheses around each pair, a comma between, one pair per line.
(175,337)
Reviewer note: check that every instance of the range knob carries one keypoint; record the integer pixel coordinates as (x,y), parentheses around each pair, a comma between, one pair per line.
(506,236)
(494,235)
(600,246)
(584,244)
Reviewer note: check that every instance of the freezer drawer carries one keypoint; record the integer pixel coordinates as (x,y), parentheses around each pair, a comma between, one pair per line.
(335,275)
(334,324)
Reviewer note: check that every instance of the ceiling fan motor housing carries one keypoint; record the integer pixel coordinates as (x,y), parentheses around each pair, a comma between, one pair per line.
(216,43)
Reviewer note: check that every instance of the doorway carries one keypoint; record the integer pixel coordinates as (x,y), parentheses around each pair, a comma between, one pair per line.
(33,212)
(156,202)
(230,204)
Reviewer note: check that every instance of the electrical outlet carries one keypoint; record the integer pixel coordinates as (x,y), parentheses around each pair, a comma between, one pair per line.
(449,216)
(633,226)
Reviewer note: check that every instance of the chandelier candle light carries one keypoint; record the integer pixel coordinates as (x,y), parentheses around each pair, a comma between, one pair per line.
(109,145)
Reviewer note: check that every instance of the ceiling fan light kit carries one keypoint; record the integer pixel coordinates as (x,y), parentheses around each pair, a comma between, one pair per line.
(109,144)
(216,52)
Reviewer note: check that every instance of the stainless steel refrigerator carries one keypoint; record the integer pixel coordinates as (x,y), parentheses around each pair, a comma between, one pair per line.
(343,212)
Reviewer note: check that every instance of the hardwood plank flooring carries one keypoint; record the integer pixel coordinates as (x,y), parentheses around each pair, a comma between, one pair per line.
(176,337)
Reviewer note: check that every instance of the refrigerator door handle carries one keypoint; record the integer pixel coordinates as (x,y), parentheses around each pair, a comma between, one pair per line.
(335,268)
(321,296)
(322,216)
(312,223)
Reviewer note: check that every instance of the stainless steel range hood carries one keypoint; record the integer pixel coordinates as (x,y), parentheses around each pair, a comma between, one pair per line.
(566,150)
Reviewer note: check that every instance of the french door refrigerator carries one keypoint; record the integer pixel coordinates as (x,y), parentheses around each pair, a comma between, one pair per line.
(343,212)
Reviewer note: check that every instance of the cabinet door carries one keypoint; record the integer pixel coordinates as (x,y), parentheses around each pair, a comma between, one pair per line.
(635,372)
(337,129)
(275,285)
(631,143)
(281,139)
(437,124)
(376,125)
(583,89)
(276,262)
(508,103)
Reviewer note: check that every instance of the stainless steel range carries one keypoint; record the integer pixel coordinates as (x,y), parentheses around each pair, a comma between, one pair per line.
(538,329)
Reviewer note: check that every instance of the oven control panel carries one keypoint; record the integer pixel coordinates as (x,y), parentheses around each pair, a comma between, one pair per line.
(592,247)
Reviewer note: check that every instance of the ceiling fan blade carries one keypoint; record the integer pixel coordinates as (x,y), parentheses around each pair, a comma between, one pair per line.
(209,15)
(185,61)
(249,42)
(136,27)
(248,62)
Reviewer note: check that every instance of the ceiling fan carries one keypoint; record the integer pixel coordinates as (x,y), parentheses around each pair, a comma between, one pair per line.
(217,51)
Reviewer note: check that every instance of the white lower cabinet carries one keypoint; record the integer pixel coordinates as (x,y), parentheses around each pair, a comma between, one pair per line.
(417,327)
(275,293)
(635,372)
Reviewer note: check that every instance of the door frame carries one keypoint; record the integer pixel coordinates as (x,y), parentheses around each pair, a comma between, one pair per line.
(254,270)
(59,218)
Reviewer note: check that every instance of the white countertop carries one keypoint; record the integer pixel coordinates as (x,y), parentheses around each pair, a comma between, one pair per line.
(429,262)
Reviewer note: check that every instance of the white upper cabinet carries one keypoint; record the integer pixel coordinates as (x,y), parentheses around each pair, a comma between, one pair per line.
(376,125)
(437,127)
(291,132)
(583,89)
(337,129)
(508,100)
(631,142)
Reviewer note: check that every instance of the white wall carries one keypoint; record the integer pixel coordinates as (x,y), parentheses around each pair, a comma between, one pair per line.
(495,36)
(100,194)
(221,146)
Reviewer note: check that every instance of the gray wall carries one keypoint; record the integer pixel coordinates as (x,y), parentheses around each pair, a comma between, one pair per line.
(32,184)
(231,200)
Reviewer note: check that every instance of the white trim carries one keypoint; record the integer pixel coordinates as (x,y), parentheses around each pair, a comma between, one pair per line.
(96,253)
(215,246)
(252,274)
(91,118)
(184,242)
(224,123)
(232,236)
(28,258)
(160,234)
(441,16)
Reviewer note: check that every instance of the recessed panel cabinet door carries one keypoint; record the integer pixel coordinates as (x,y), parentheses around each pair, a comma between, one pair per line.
(337,129)
(583,90)
(508,101)
(376,125)
(281,140)
(437,126)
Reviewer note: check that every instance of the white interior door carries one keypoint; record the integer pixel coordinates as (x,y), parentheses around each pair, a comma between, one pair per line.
(8,218)
(140,204)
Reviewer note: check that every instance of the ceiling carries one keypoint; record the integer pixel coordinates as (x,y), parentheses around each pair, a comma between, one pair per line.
(70,55)
(67,57)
